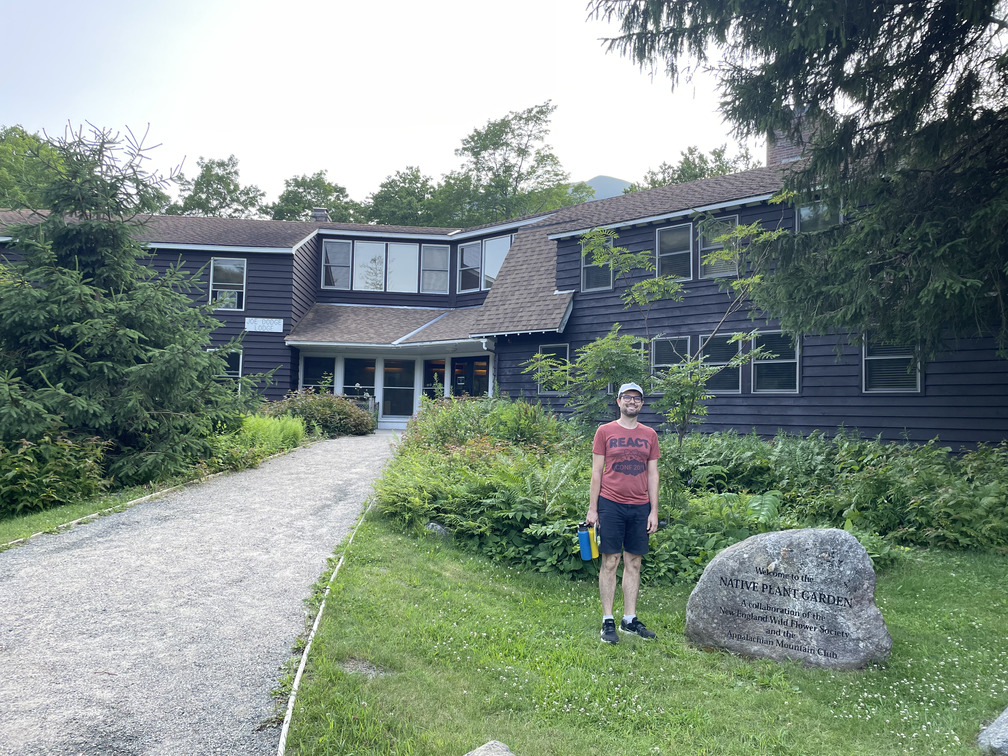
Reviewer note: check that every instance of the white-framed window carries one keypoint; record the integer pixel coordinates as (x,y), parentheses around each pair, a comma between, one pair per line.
(358,377)
(816,216)
(434,269)
(674,250)
(889,367)
(708,245)
(368,266)
(720,350)
(666,352)
(560,352)
(227,283)
(470,266)
(777,375)
(337,261)
(595,277)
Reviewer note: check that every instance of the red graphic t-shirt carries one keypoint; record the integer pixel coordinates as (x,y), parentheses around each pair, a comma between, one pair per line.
(627,452)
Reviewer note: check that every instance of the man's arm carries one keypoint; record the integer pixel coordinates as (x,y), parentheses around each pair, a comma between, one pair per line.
(652,487)
(598,464)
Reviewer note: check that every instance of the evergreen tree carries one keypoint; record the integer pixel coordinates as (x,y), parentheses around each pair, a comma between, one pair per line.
(93,343)
(902,109)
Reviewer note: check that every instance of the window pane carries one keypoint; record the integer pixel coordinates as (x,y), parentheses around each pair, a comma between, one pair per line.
(670,351)
(316,369)
(336,253)
(434,282)
(677,266)
(494,251)
(402,267)
(369,266)
(891,374)
(434,378)
(336,256)
(597,277)
(775,376)
(816,217)
(470,259)
(434,269)
(719,349)
(358,377)
(778,343)
(726,380)
(707,245)
(229,273)
(675,239)
(874,349)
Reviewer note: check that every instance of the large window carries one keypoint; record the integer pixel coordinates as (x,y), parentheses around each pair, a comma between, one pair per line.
(720,350)
(336,264)
(434,269)
(434,378)
(558,352)
(595,277)
(778,374)
(403,264)
(675,252)
(227,283)
(889,367)
(372,266)
(369,266)
(712,231)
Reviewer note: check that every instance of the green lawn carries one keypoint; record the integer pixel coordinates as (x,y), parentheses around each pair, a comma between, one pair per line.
(425,649)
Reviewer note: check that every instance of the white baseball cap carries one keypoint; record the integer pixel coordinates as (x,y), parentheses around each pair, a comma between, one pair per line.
(630,387)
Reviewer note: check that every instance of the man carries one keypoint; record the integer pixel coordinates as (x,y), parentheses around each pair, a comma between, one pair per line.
(623,504)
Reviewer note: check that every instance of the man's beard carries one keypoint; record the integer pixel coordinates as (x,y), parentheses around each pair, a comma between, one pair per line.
(631,411)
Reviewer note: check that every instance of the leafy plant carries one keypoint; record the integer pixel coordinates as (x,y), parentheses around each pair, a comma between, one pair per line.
(326,415)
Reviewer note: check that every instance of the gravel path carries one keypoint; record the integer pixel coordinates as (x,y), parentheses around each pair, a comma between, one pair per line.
(162,629)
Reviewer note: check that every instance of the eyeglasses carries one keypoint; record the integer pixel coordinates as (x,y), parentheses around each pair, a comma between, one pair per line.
(634,399)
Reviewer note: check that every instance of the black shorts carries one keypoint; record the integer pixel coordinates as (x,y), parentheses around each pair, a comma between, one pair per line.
(622,527)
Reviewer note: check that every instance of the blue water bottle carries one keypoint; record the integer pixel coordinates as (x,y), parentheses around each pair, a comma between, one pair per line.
(584,542)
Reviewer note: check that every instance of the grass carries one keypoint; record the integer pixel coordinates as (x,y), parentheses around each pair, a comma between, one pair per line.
(425,649)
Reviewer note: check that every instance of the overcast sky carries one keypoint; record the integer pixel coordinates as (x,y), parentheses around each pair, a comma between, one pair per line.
(358,88)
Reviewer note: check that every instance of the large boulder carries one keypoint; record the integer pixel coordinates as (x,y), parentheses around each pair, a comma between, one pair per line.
(993,740)
(806,594)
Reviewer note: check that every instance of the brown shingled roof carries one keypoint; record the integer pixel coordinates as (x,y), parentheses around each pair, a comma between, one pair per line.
(387,326)
(524,297)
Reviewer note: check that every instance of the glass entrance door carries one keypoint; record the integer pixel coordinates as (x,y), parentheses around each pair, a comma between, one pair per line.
(470,375)
(398,388)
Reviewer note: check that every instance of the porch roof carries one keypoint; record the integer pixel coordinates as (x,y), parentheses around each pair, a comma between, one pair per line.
(392,327)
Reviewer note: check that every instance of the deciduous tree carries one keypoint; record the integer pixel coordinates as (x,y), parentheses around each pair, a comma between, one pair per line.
(217,192)
(403,199)
(24,167)
(902,109)
(304,193)
(694,165)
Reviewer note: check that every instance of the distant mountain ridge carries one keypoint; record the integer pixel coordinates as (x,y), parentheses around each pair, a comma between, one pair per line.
(607,186)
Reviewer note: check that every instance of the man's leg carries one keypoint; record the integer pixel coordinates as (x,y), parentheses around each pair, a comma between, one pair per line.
(607,580)
(631,582)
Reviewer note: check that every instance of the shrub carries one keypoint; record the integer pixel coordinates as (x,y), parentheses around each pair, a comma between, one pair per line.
(272,434)
(325,415)
(51,471)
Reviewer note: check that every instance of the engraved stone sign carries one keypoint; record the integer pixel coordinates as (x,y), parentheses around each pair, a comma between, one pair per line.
(806,594)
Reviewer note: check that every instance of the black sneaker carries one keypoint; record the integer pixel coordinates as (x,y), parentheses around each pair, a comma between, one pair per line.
(636,627)
(609,631)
